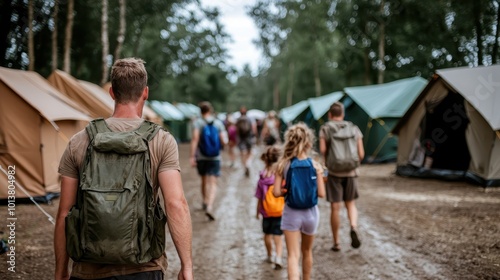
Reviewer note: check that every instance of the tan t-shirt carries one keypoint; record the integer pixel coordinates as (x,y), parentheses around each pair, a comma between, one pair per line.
(359,135)
(164,156)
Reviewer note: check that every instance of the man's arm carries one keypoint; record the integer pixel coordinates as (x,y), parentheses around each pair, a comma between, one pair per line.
(69,187)
(361,149)
(264,132)
(254,128)
(178,219)
(322,147)
(194,145)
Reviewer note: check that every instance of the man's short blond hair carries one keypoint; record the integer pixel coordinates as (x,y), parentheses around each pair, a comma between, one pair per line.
(128,79)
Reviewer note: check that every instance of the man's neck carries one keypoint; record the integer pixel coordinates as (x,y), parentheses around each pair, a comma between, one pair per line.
(337,119)
(128,111)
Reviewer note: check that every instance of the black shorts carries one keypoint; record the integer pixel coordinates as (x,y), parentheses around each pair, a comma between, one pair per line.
(208,167)
(272,225)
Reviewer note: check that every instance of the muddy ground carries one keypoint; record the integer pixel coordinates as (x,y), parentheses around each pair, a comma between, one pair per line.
(410,229)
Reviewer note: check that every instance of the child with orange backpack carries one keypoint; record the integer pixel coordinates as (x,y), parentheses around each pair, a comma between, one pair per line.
(270,207)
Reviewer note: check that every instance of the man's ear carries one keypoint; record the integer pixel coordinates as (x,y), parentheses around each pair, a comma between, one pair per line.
(111,93)
(145,93)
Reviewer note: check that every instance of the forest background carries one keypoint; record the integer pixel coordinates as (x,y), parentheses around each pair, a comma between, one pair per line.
(310,47)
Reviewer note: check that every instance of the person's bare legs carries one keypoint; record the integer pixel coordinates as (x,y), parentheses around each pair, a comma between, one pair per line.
(232,155)
(278,245)
(335,221)
(307,256)
(268,241)
(352,213)
(245,160)
(211,190)
(204,191)
(292,240)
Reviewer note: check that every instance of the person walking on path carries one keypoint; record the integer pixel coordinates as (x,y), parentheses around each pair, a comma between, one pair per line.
(336,137)
(270,134)
(206,143)
(232,134)
(303,185)
(129,91)
(270,207)
(247,131)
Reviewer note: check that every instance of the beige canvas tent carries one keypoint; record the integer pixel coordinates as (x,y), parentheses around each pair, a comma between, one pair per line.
(36,122)
(96,104)
(452,130)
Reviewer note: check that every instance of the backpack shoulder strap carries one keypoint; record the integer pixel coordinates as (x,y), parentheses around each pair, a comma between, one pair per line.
(148,130)
(96,126)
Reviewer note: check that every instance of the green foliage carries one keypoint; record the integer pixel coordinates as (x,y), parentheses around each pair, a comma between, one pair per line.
(309,46)
(341,39)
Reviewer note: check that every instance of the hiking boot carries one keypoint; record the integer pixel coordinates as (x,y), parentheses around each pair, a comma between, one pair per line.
(355,242)
(278,264)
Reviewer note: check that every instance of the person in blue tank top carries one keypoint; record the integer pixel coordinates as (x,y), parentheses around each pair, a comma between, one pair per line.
(299,225)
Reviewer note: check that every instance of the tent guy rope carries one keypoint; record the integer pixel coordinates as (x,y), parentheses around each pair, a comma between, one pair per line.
(51,219)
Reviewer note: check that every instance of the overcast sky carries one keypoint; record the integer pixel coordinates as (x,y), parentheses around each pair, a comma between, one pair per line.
(241,29)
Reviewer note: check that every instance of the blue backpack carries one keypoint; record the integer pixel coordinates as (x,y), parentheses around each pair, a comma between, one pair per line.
(301,184)
(209,143)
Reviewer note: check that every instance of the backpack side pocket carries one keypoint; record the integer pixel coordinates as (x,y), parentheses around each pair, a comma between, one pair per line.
(73,230)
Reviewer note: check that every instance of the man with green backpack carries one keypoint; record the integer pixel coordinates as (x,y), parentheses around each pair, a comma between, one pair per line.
(121,185)
(341,143)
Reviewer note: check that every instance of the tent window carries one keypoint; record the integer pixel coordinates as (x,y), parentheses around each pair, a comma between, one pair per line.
(444,134)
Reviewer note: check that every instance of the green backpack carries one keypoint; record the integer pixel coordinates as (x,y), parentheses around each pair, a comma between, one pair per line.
(117,218)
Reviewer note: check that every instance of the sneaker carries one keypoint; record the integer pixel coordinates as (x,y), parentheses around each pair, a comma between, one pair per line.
(355,243)
(210,215)
(278,264)
(269,259)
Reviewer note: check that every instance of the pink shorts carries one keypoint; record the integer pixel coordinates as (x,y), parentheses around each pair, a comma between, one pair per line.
(305,220)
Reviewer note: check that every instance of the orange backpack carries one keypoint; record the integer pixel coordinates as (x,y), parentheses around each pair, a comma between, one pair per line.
(273,205)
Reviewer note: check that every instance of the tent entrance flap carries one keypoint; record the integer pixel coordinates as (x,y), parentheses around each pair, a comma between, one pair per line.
(443,134)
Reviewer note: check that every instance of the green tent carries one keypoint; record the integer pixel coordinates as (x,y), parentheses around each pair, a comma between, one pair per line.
(191,112)
(291,114)
(319,106)
(173,119)
(376,109)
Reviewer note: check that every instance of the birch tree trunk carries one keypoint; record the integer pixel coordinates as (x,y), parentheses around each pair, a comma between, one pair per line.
(367,66)
(317,79)
(479,31)
(121,32)
(105,41)
(31,45)
(276,93)
(494,55)
(381,46)
(289,94)
(54,35)
(68,38)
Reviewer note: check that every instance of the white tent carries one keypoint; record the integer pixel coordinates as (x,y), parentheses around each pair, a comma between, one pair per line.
(452,130)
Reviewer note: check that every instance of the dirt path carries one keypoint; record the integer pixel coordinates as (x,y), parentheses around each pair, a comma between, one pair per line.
(411,229)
